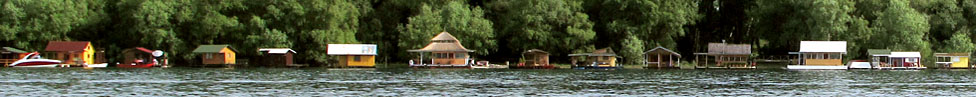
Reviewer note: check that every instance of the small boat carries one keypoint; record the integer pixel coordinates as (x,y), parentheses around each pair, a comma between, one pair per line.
(138,64)
(35,60)
(102,65)
(859,64)
(486,65)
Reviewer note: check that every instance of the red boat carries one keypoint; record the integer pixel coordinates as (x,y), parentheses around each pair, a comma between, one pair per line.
(142,58)
(35,60)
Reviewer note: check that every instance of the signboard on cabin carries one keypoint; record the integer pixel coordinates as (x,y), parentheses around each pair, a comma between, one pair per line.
(351,49)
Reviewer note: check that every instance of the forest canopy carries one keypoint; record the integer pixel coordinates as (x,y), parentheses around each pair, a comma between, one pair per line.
(499,30)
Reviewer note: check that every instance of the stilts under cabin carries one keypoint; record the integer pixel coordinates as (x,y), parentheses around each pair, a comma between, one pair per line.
(446,52)
(953,60)
(8,55)
(534,59)
(354,55)
(600,59)
(216,55)
(725,56)
(661,57)
(74,53)
(276,57)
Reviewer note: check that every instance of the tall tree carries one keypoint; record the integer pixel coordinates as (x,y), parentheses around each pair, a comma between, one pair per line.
(464,22)
(541,24)
(784,23)
(653,22)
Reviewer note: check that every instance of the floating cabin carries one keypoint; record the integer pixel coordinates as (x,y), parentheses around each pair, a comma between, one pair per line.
(276,57)
(953,60)
(76,53)
(8,55)
(354,55)
(447,52)
(820,55)
(140,57)
(726,56)
(534,59)
(661,57)
(885,59)
(216,54)
(600,59)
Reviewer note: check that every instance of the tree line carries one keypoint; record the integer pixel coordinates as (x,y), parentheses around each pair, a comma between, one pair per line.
(498,29)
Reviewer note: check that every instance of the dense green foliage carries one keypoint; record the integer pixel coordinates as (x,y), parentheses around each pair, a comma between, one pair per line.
(499,30)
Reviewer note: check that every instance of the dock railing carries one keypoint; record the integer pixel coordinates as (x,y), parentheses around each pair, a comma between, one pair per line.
(7,62)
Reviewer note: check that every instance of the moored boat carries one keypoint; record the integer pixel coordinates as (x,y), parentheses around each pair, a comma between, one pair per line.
(35,60)
(142,58)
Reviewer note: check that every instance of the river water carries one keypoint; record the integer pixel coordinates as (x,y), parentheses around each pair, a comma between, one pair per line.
(480,82)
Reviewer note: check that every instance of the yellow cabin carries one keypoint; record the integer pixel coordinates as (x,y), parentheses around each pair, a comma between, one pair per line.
(953,60)
(354,55)
(71,52)
(216,54)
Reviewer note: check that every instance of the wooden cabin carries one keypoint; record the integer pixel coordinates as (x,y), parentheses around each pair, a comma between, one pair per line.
(723,55)
(135,57)
(354,55)
(661,57)
(276,57)
(820,55)
(446,51)
(8,55)
(953,60)
(71,52)
(216,54)
(535,59)
(879,57)
(601,58)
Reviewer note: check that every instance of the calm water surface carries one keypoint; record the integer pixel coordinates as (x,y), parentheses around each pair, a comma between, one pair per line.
(475,82)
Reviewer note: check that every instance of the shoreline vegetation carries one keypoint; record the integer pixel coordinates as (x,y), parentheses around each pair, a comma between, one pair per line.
(498,30)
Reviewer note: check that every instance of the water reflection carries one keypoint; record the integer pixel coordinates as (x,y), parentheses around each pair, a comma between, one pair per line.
(468,82)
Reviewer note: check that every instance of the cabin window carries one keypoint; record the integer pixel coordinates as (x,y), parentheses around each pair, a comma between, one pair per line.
(208,56)
(943,59)
(834,56)
(459,56)
(911,60)
(355,58)
(606,58)
(441,55)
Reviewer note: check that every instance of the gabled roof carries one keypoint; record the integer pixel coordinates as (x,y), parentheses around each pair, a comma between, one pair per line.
(660,49)
(144,50)
(12,50)
(276,50)
(599,52)
(212,48)
(729,49)
(443,42)
(59,46)
(905,54)
(823,46)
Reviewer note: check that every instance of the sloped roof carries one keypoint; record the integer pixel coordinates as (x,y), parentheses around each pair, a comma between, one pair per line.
(535,51)
(212,48)
(965,54)
(444,36)
(723,48)
(600,52)
(276,50)
(905,54)
(12,50)
(144,50)
(351,49)
(443,42)
(824,46)
(67,45)
(660,49)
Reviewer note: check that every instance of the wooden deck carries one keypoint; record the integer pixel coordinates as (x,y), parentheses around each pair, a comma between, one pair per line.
(439,66)
(899,68)
(7,62)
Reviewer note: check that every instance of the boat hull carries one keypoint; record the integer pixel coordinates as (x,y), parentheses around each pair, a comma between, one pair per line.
(36,63)
(807,67)
(134,66)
